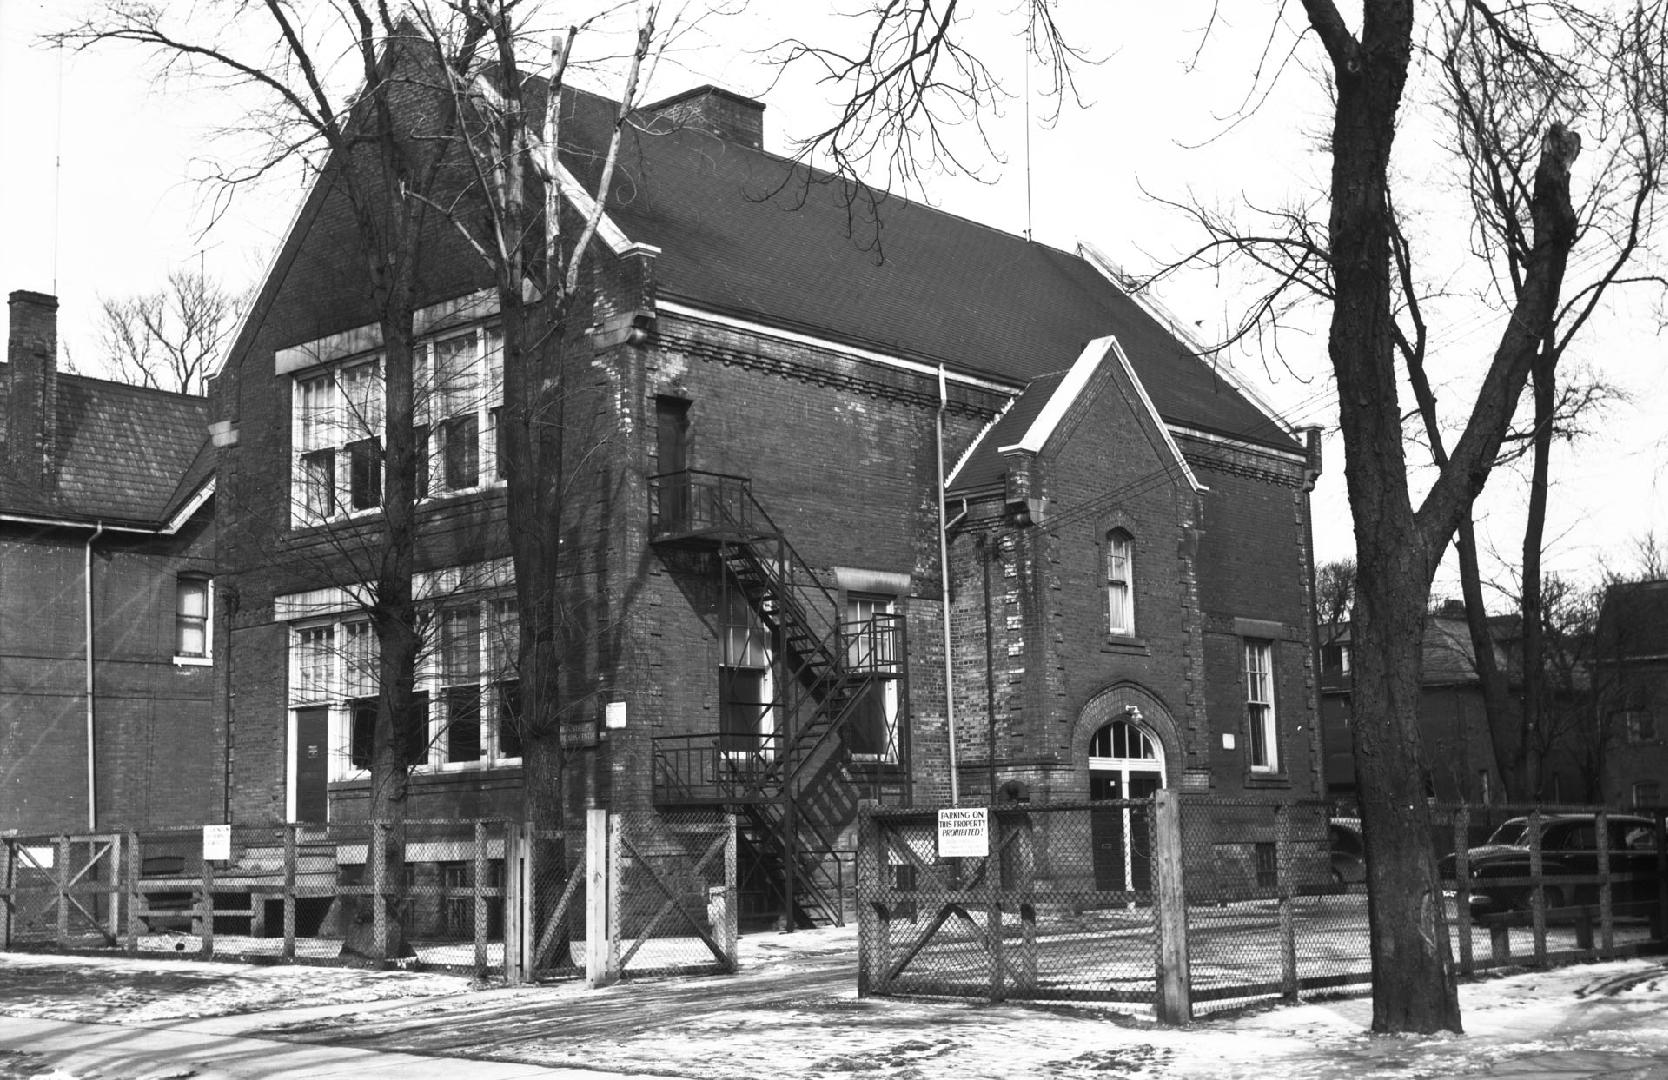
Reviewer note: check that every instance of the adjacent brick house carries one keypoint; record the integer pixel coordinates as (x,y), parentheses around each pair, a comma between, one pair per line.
(110,703)
(1631,680)
(762,531)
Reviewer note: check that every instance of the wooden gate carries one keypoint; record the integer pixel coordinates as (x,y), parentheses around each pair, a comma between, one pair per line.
(62,889)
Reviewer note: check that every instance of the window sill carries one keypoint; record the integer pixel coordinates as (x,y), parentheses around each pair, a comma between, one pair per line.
(1267,780)
(193,661)
(1129,646)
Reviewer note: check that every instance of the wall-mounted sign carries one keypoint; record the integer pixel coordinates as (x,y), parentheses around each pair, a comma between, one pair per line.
(614,715)
(964,833)
(217,842)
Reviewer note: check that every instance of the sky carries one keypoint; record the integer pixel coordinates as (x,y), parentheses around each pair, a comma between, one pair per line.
(104,159)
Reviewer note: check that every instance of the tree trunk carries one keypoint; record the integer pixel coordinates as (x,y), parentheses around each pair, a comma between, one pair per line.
(1504,728)
(1534,669)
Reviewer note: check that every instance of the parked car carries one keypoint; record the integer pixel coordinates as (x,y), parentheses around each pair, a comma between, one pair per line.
(1349,851)
(1499,869)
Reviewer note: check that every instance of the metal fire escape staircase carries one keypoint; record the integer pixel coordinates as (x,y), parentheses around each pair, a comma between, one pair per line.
(793,789)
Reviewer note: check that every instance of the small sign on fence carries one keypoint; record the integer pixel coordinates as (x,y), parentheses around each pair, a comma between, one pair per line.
(964,833)
(217,842)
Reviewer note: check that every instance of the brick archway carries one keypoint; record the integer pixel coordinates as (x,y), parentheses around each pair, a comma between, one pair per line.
(1115,703)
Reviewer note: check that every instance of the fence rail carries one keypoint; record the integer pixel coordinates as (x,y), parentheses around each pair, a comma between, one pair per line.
(487,895)
(1182,904)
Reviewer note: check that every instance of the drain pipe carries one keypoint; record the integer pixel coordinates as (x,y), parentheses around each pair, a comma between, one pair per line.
(92,772)
(944,583)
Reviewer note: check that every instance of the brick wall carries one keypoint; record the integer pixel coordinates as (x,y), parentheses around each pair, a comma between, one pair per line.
(159,731)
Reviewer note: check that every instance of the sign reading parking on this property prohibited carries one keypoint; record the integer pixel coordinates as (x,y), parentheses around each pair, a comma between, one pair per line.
(964,833)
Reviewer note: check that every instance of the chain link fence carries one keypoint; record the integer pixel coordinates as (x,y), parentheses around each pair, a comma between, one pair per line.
(1193,903)
(1060,907)
(676,898)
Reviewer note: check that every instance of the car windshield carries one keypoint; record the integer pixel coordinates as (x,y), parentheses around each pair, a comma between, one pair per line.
(1512,832)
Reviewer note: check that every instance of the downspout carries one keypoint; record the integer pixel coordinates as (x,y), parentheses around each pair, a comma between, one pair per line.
(92,772)
(944,583)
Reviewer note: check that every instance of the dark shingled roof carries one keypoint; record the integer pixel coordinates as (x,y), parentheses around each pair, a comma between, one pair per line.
(1633,622)
(126,453)
(985,467)
(937,287)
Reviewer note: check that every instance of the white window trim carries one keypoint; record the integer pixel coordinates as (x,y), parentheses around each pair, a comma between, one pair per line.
(207,659)
(1269,720)
(490,396)
(335,698)
(1126,628)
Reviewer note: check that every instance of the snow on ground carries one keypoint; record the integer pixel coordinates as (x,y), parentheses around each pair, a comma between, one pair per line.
(794,1012)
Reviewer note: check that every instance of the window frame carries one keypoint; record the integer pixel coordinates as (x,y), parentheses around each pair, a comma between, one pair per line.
(876,654)
(203,623)
(338,413)
(1262,727)
(1119,572)
(324,651)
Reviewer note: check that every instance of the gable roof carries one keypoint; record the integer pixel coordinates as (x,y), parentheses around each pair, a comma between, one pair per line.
(1041,409)
(754,235)
(1633,621)
(124,453)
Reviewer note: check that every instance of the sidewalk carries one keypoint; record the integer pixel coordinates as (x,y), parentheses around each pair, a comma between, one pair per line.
(792,1012)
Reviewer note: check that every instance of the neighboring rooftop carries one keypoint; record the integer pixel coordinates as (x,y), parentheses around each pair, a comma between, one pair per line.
(124,453)
(1633,623)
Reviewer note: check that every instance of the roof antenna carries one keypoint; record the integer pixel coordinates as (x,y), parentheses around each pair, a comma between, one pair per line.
(57,167)
(1027,59)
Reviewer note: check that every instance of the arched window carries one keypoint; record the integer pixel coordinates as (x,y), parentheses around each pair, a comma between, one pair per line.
(1120,582)
(1122,741)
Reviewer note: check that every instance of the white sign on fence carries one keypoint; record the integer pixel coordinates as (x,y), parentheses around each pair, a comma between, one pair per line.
(217,842)
(964,832)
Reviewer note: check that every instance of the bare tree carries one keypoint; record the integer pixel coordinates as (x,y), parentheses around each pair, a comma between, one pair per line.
(174,337)
(364,148)
(1352,263)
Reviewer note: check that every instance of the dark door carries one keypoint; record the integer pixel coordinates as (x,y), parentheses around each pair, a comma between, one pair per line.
(1106,830)
(672,445)
(1121,835)
(311,766)
(1141,786)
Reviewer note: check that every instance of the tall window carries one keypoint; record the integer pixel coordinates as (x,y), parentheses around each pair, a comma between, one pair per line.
(191,618)
(1638,726)
(338,441)
(338,423)
(1120,582)
(871,635)
(1259,705)
(464,702)
(747,714)
(460,683)
(466,377)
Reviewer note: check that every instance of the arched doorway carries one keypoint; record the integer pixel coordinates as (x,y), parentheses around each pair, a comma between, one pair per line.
(1126,761)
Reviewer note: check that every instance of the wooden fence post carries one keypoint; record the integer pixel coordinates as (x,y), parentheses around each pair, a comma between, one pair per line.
(113,874)
(870,920)
(1462,889)
(1283,888)
(597,890)
(8,901)
(478,876)
(378,855)
(206,910)
(515,933)
(289,890)
(63,862)
(135,898)
(732,892)
(1174,1005)
(1607,892)
(993,901)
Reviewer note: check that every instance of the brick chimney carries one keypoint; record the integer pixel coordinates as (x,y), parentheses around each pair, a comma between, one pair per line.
(32,404)
(713,110)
